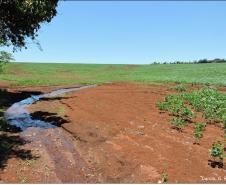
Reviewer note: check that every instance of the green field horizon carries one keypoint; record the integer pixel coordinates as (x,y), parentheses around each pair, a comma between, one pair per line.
(36,74)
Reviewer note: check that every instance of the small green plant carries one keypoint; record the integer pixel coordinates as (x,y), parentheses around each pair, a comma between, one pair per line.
(180,88)
(198,131)
(161,105)
(164,177)
(61,111)
(178,123)
(218,151)
(23,179)
(175,105)
(29,162)
(187,113)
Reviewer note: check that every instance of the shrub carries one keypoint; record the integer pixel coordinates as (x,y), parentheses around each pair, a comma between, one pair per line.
(5,58)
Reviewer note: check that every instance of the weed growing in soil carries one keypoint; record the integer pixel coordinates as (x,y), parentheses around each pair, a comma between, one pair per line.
(178,123)
(217,151)
(23,179)
(61,111)
(29,162)
(180,88)
(164,177)
(198,131)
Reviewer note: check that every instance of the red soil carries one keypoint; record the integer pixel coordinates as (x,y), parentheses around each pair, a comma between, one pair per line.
(121,137)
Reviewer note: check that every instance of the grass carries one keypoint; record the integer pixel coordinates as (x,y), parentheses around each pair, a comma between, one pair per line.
(27,74)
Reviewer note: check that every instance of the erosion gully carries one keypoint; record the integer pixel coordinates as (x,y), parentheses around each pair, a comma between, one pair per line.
(54,145)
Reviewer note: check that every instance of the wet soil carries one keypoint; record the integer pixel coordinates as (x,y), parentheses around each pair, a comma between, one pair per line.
(112,133)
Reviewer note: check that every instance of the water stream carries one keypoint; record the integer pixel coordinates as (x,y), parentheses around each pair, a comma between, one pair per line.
(18,115)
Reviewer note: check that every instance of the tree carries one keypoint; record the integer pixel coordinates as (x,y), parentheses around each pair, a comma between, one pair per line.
(21,19)
(5,58)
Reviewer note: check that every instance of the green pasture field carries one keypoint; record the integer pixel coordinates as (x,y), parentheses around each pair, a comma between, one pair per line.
(35,74)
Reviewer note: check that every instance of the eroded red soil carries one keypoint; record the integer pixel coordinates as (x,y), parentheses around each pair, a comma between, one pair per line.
(114,134)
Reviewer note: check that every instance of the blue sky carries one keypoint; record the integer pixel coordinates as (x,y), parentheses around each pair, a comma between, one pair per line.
(131,32)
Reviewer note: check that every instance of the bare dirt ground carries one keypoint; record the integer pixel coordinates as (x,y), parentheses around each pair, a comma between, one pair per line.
(111,134)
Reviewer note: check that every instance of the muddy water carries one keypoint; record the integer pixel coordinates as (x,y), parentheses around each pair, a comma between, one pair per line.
(18,115)
(55,148)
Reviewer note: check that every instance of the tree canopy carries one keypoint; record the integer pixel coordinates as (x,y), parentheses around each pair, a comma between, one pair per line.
(21,19)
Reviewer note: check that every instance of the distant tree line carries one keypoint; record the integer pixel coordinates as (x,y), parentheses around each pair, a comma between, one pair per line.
(201,61)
